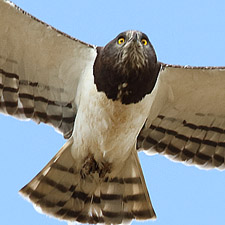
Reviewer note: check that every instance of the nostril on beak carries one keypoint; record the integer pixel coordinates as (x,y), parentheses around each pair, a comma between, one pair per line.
(135,37)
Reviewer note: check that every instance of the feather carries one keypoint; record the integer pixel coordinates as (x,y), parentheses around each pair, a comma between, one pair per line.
(40,68)
(190,126)
(60,190)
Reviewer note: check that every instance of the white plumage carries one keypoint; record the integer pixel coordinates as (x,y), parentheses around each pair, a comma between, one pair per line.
(51,81)
(188,122)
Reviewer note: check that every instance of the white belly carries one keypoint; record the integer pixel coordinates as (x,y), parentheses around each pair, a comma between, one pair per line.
(105,128)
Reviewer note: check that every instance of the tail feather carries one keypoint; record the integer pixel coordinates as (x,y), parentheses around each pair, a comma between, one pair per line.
(111,195)
(137,197)
(60,190)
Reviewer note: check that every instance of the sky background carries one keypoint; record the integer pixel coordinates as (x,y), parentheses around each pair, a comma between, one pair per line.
(182,32)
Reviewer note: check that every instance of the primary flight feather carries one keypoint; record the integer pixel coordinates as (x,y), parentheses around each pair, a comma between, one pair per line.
(108,101)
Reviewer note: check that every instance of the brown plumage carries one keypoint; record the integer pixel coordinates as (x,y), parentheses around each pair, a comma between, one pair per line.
(127,71)
(61,191)
(100,98)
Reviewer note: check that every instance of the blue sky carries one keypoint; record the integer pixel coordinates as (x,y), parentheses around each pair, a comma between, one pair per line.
(182,32)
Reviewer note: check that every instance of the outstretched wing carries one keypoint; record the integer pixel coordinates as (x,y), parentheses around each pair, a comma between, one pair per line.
(40,68)
(187,118)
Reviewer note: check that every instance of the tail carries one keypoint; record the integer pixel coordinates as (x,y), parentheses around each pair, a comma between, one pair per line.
(60,190)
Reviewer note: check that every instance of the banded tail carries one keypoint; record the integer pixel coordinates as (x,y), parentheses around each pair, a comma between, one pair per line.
(60,190)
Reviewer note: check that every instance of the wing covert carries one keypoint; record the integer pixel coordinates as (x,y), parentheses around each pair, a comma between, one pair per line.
(187,118)
(39,69)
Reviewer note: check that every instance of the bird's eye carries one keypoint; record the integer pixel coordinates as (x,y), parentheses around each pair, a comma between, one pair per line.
(144,41)
(121,40)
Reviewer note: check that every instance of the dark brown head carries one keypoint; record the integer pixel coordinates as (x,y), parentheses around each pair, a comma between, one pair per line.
(126,69)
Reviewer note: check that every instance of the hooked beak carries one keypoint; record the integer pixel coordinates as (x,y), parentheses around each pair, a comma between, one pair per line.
(133,42)
(134,37)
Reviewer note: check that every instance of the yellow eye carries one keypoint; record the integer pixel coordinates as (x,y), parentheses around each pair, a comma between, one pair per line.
(144,41)
(121,41)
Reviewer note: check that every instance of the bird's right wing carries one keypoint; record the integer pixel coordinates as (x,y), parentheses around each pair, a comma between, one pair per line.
(40,68)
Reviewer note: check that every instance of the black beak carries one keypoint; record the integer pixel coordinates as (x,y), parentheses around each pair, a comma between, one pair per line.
(133,40)
(134,37)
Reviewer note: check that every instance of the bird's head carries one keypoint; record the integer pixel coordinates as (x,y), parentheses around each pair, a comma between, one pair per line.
(126,69)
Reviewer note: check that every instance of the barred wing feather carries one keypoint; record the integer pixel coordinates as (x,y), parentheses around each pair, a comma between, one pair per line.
(187,118)
(39,69)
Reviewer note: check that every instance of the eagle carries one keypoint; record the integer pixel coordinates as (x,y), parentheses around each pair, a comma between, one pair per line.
(109,102)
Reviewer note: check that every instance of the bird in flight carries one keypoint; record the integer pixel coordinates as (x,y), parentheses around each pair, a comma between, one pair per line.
(109,102)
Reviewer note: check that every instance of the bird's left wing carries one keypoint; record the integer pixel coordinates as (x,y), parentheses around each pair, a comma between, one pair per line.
(40,68)
(187,117)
